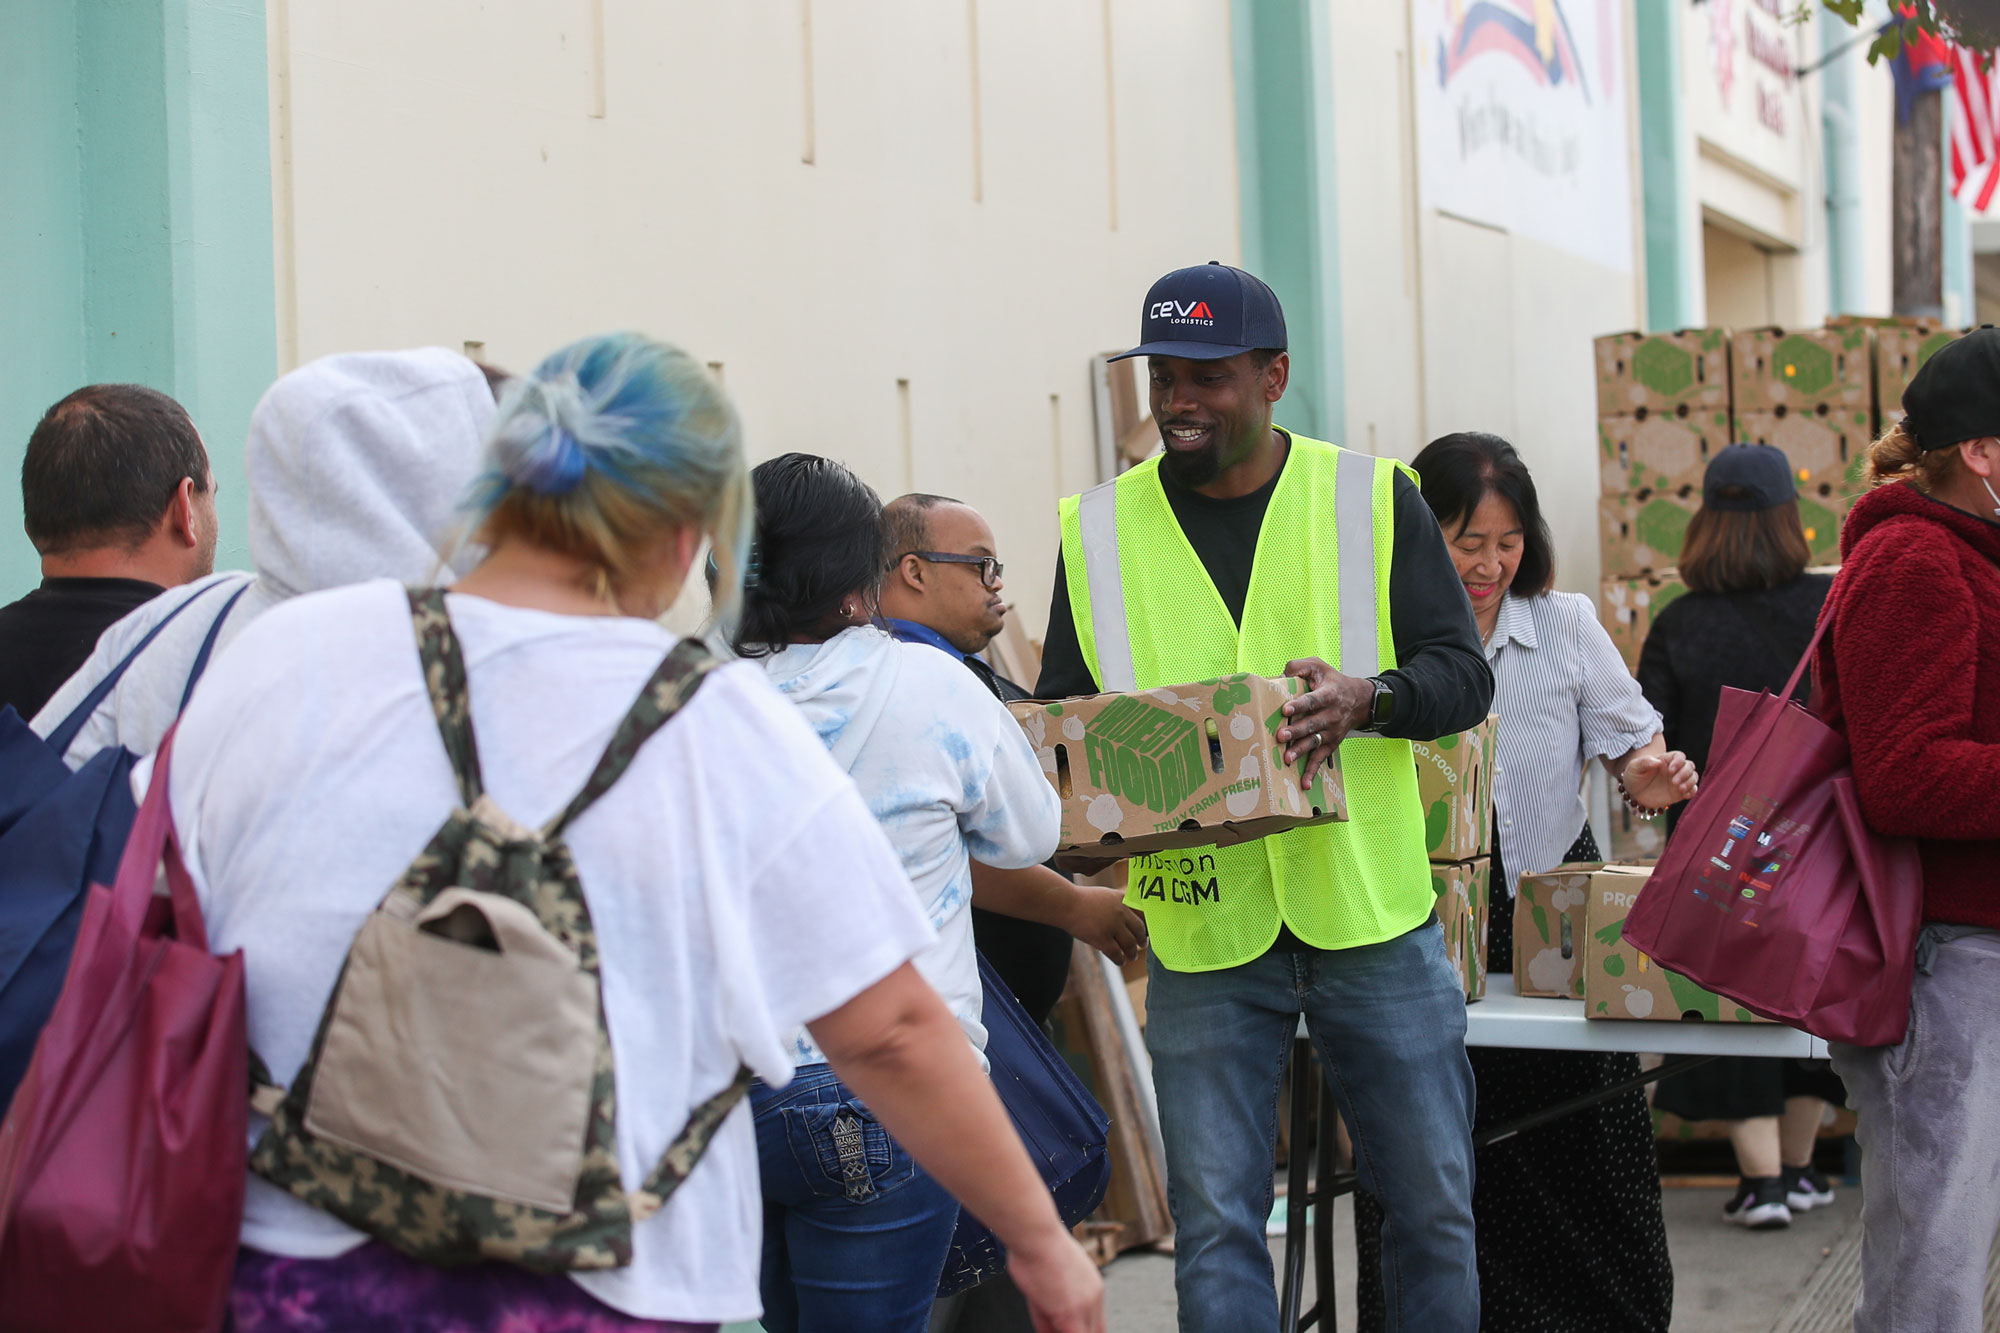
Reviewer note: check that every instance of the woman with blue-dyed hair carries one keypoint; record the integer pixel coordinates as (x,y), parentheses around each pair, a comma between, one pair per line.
(736,885)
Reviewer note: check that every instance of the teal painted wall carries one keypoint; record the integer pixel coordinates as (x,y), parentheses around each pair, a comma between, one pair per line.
(135,243)
(1674,280)
(1285,171)
(41,247)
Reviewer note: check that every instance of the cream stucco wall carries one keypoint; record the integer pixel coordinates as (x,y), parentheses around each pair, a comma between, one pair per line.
(901,253)
(1452,325)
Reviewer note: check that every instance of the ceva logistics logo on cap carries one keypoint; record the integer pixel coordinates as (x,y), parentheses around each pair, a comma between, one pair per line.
(1174,312)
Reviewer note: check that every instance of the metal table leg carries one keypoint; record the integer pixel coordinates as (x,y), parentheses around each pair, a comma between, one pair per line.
(1305,1072)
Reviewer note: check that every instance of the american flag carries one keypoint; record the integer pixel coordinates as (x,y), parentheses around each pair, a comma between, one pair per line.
(1974,107)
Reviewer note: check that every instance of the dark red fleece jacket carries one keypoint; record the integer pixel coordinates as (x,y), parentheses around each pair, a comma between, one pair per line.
(1910,674)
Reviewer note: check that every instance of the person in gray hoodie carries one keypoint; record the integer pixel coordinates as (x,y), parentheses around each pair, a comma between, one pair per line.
(357,465)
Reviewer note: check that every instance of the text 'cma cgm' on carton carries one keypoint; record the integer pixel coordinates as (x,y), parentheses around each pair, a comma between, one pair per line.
(1183,766)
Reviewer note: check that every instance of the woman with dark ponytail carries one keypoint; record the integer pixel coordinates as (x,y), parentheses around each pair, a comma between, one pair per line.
(855,1232)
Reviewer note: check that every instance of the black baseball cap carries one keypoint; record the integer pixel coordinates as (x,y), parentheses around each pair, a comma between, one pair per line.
(1956,394)
(1760,471)
(1208,312)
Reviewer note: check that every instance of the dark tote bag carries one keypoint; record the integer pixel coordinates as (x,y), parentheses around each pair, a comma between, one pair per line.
(1063,1128)
(1774,892)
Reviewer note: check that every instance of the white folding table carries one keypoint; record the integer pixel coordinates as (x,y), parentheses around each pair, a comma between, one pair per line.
(1501,1019)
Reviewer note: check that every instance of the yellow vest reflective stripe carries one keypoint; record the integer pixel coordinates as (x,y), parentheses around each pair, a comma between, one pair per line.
(1147,615)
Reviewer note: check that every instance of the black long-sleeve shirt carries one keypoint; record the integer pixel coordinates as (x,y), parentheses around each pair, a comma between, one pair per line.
(1442,681)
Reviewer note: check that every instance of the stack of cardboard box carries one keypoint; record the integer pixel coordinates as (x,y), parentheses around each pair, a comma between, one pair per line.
(1810,392)
(1569,943)
(1662,413)
(1455,787)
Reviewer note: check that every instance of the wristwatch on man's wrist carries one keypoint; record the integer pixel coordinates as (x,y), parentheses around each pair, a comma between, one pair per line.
(1382,707)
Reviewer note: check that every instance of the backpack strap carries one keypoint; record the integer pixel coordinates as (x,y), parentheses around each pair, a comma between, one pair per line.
(444,678)
(208,647)
(678,1161)
(673,683)
(72,726)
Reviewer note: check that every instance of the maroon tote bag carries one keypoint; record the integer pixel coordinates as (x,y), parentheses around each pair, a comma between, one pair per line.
(1774,892)
(122,1158)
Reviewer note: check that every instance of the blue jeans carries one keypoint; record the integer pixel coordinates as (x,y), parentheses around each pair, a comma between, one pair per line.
(1389,1022)
(855,1233)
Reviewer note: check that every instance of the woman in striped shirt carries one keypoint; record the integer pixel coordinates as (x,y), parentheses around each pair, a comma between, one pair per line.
(1586,1186)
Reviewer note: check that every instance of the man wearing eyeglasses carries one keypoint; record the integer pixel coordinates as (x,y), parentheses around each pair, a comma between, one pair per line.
(943,589)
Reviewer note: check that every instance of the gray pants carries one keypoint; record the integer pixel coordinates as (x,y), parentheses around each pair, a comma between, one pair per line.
(1930,1141)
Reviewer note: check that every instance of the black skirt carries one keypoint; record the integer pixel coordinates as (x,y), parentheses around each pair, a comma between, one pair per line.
(1585,1187)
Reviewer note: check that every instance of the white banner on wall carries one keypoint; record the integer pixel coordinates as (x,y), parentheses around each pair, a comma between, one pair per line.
(1521,120)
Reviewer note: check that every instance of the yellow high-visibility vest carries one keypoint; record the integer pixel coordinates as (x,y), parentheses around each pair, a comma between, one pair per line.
(1148,615)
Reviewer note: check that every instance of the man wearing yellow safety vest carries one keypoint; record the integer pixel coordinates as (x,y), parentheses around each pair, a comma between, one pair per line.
(1243,547)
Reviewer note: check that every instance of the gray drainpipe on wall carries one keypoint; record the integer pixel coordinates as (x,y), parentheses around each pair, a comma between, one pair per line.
(1846,265)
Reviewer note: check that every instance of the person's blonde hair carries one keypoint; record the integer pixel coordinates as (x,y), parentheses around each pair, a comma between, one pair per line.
(607,446)
(1896,457)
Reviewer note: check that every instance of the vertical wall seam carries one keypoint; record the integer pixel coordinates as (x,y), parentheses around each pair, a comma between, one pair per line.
(1111,114)
(978,148)
(809,152)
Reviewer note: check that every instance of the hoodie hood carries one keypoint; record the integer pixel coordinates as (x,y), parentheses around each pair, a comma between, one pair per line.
(357,464)
(840,685)
(1901,499)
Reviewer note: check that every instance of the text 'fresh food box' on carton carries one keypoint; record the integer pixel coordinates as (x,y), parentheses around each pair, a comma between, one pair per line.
(1184,766)
(1621,982)
(1455,789)
(1461,888)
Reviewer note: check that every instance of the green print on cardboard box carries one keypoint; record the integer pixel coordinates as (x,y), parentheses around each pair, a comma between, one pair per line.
(1150,755)
(1178,766)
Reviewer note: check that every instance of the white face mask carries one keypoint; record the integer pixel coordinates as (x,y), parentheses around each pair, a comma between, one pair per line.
(1996,498)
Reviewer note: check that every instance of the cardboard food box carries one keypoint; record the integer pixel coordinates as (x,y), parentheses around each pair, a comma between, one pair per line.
(1680,373)
(1455,788)
(1185,766)
(1548,932)
(1627,607)
(1901,348)
(1658,450)
(1828,449)
(1821,515)
(1802,368)
(1642,531)
(1621,982)
(1462,907)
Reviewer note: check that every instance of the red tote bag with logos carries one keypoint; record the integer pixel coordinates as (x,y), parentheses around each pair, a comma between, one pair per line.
(1774,892)
(122,1158)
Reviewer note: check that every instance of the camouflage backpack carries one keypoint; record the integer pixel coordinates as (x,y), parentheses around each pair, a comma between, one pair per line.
(458,1102)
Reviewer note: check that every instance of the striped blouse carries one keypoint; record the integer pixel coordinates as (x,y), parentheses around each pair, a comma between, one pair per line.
(1564,698)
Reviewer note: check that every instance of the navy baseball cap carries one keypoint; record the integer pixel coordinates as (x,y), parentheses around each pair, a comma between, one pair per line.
(1762,472)
(1208,312)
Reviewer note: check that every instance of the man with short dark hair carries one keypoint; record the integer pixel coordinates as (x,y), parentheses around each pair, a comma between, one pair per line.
(119,501)
(1245,547)
(943,589)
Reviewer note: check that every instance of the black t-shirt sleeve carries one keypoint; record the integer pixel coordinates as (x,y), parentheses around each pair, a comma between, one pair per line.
(1443,684)
(1064,672)
(1657,680)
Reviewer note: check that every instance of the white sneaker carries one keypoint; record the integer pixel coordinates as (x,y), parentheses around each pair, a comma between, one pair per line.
(1759,1204)
(1806,1189)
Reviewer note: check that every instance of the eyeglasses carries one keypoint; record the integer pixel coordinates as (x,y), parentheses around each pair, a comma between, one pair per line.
(990,569)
